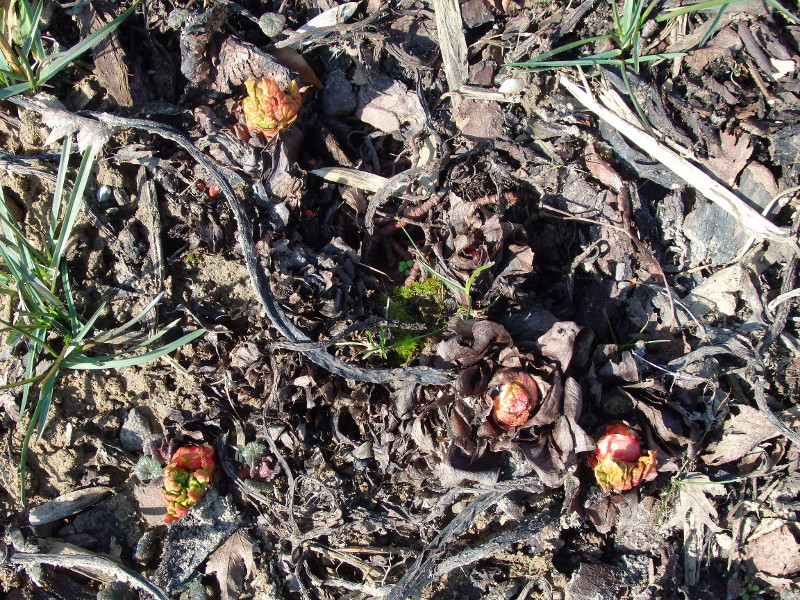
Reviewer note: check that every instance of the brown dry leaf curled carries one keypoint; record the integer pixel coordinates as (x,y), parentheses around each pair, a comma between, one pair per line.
(230,563)
(741,433)
(693,498)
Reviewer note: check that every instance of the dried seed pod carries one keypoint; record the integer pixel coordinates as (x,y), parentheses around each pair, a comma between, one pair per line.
(515,396)
(267,108)
(618,462)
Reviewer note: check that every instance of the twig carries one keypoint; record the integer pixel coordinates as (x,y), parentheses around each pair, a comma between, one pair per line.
(531,532)
(788,276)
(91,563)
(422,571)
(290,478)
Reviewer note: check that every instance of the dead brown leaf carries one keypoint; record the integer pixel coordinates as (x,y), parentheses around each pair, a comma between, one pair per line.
(776,552)
(600,169)
(694,497)
(294,61)
(741,433)
(230,563)
(730,156)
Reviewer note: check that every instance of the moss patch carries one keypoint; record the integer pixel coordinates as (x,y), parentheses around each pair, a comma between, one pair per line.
(419,302)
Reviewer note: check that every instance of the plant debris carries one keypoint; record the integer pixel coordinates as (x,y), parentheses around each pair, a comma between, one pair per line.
(462,320)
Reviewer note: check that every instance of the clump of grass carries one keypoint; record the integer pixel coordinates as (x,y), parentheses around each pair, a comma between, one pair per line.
(25,63)
(628,20)
(44,316)
(462,292)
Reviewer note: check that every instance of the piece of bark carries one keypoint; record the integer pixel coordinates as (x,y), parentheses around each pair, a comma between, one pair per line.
(240,61)
(111,68)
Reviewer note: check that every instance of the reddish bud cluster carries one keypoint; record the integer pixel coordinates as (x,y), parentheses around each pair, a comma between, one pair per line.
(267,108)
(186,478)
(516,400)
(618,461)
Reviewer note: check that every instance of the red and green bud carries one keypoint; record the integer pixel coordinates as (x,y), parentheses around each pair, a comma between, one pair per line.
(516,399)
(267,108)
(618,462)
(186,478)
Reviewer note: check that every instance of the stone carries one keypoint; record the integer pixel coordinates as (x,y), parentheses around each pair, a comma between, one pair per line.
(475,13)
(193,537)
(785,145)
(338,98)
(134,431)
(387,104)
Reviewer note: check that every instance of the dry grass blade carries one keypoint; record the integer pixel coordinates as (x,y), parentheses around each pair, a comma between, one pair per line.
(452,42)
(748,218)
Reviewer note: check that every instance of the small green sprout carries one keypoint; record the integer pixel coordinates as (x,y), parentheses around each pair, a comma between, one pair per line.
(404,267)
(147,469)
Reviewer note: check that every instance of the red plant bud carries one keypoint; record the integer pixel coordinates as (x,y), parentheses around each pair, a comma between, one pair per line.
(516,399)
(267,108)
(186,478)
(618,461)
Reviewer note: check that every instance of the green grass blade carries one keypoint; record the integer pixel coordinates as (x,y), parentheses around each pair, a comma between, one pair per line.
(30,368)
(46,399)
(791,17)
(636,106)
(58,194)
(13,90)
(73,313)
(588,61)
(713,26)
(38,421)
(708,4)
(23,331)
(565,48)
(30,381)
(21,249)
(87,327)
(110,335)
(139,345)
(100,362)
(57,62)
(42,292)
(74,205)
(33,35)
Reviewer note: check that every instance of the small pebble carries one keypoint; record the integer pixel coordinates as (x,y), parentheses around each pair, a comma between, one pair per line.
(272,24)
(135,430)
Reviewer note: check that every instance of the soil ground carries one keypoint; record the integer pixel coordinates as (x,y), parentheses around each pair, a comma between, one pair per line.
(425,300)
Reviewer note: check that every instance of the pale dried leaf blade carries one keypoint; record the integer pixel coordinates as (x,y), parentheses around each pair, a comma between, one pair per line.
(230,563)
(333,16)
(452,42)
(369,182)
(748,218)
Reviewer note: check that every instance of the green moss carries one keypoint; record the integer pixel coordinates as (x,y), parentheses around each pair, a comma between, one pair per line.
(419,302)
